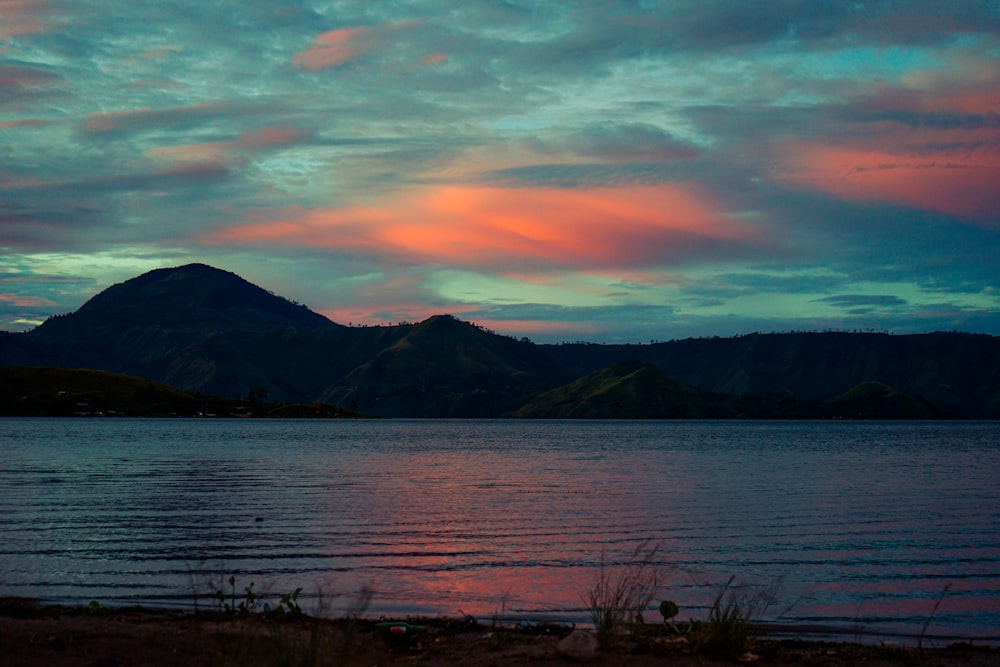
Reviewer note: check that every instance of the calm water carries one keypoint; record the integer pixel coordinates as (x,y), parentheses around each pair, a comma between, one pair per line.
(865,527)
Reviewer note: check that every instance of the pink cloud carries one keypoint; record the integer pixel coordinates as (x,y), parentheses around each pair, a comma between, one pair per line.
(968,82)
(958,184)
(32,124)
(337,47)
(25,17)
(935,151)
(272,135)
(536,327)
(25,301)
(508,228)
(379,312)
(26,77)
(223,151)
(142,119)
(333,48)
(933,145)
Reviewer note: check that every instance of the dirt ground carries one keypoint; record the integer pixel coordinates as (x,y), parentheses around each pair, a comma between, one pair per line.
(31,634)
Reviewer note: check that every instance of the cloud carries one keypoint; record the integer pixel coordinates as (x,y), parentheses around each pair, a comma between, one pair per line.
(857,303)
(20,85)
(176,117)
(26,17)
(253,141)
(176,175)
(25,302)
(504,227)
(32,124)
(342,45)
(955,185)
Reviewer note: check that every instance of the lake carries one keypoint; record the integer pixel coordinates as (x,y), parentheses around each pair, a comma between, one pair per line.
(869,529)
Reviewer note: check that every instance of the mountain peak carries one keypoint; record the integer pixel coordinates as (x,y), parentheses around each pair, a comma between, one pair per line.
(195,294)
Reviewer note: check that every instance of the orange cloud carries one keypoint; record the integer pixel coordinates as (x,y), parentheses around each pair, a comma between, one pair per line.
(959,184)
(484,226)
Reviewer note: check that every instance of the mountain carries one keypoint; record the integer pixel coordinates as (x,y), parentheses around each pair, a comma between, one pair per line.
(205,330)
(875,400)
(633,390)
(959,373)
(628,390)
(192,296)
(444,367)
(208,331)
(183,326)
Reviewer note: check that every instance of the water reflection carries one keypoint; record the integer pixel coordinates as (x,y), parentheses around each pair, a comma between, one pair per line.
(860,522)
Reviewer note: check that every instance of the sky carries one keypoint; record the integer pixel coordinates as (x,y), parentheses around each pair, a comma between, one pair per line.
(597,171)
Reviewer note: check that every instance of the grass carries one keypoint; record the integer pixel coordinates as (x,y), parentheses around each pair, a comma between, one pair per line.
(620,596)
(927,621)
(240,632)
(617,600)
(497,637)
(732,619)
(286,637)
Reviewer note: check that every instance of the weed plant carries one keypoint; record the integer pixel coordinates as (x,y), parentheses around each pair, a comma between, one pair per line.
(496,637)
(621,594)
(730,628)
(930,617)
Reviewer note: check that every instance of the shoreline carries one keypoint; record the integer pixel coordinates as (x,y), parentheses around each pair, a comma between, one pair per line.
(32,633)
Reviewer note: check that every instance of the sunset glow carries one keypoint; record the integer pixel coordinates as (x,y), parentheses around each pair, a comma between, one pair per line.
(475,226)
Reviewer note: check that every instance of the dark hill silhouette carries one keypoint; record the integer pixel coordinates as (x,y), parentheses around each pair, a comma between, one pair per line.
(628,390)
(959,373)
(633,390)
(194,296)
(180,326)
(444,367)
(65,392)
(208,331)
(875,400)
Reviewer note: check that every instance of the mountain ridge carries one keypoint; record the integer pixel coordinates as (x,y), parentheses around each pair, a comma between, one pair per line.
(206,330)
